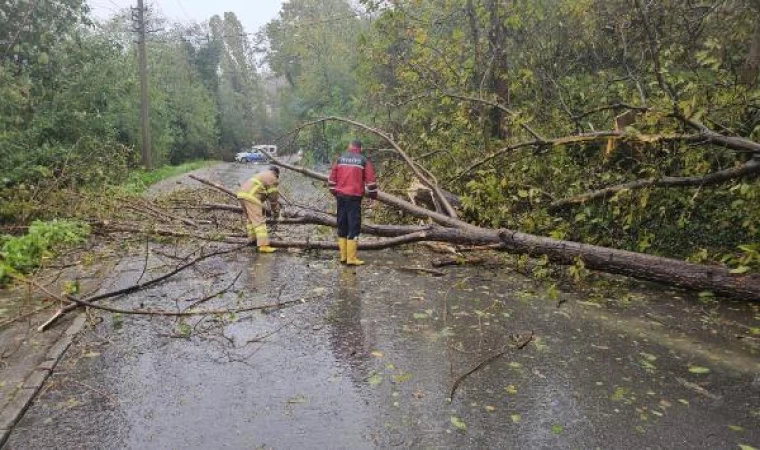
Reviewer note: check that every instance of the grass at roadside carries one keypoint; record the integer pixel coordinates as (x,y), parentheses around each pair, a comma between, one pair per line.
(140,180)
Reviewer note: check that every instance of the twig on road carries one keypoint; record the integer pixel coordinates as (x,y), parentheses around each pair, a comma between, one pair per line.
(517,346)
(215,294)
(433,272)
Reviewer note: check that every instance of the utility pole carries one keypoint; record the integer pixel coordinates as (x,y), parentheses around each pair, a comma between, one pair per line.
(138,16)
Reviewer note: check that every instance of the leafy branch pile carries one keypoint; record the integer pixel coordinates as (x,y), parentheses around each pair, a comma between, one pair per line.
(619,123)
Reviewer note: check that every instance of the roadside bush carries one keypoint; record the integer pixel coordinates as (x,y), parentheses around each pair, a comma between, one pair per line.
(43,240)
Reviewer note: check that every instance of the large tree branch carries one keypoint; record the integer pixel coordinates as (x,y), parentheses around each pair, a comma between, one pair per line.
(496,105)
(614,107)
(213,185)
(388,199)
(581,138)
(654,268)
(426,178)
(738,144)
(363,245)
(748,169)
(735,143)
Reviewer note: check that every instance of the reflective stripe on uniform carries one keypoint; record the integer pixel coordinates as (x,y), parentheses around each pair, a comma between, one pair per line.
(250,198)
(252,194)
(261,231)
(262,237)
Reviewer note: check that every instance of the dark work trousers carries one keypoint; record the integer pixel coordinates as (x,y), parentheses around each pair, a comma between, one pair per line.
(349,216)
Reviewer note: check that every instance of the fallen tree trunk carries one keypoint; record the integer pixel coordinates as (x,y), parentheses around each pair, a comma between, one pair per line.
(364,245)
(646,267)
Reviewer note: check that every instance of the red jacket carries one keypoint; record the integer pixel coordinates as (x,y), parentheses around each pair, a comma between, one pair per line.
(351,174)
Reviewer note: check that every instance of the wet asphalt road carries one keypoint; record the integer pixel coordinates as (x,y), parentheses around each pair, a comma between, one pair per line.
(369,358)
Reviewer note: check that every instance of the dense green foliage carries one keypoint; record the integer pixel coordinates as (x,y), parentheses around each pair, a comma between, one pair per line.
(556,67)
(70,103)
(69,94)
(21,254)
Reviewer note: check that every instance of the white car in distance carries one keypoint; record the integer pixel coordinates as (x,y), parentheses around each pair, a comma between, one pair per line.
(271,150)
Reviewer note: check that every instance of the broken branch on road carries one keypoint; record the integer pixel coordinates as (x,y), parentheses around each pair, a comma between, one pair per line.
(520,343)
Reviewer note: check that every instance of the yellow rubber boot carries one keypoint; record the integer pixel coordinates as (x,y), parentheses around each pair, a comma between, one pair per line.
(267,249)
(352,246)
(343,250)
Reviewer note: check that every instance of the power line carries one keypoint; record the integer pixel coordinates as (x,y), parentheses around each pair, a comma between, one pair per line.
(179,3)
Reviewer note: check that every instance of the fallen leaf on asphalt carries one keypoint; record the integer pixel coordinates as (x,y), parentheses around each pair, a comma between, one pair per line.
(402,377)
(698,370)
(375,379)
(459,423)
(377,354)
(511,389)
(516,418)
(298,399)
(490,408)
(557,429)
(595,305)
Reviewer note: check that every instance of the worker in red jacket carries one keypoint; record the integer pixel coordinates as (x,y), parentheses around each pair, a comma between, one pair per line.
(351,177)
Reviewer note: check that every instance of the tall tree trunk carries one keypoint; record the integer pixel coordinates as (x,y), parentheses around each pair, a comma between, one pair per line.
(751,67)
(497,67)
(472,19)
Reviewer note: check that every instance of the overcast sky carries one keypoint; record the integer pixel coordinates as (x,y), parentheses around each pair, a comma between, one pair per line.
(252,13)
